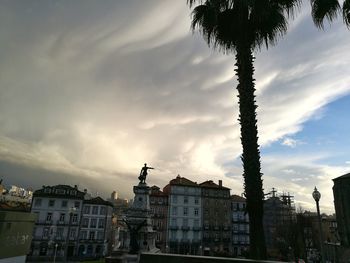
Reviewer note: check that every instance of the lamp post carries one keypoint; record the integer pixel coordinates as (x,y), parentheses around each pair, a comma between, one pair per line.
(71,211)
(54,256)
(317,196)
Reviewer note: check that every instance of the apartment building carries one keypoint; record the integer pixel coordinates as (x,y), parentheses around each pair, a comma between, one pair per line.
(95,228)
(159,208)
(216,219)
(58,210)
(240,226)
(184,216)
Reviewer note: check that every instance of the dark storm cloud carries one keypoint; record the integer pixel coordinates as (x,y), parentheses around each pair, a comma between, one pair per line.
(94,89)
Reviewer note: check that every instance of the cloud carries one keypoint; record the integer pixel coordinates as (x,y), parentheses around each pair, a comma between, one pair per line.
(290,142)
(94,90)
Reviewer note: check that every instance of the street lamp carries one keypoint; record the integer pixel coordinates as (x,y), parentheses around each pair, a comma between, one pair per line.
(317,196)
(71,211)
(54,256)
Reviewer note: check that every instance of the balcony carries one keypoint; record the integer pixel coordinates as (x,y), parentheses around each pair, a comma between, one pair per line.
(226,228)
(206,227)
(44,222)
(185,240)
(196,228)
(61,223)
(185,228)
(216,228)
(173,227)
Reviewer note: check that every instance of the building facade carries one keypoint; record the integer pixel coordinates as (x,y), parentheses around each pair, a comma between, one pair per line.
(216,219)
(184,216)
(341,192)
(58,209)
(240,226)
(95,228)
(159,208)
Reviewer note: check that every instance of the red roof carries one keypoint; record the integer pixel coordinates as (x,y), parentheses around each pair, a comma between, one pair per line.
(237,198)
(211,184)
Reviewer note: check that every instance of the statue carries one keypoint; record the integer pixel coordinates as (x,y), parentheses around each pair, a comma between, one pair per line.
(143,173)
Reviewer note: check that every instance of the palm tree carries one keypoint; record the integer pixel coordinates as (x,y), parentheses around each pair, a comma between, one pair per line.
(240,27)
(328,9)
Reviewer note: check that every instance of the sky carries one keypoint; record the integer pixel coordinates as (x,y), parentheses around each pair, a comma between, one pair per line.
(91,90)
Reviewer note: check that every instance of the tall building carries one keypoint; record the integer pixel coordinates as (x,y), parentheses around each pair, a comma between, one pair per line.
(184,216)
(341,192)
(279,216)
(58,209)
(240,226)
(159,208)
(95,228)
(216,219)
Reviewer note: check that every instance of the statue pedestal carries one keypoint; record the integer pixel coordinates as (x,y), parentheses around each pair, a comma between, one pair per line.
(139,217)
(141,236)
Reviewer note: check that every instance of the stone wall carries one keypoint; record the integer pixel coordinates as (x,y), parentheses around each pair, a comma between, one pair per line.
(172,258)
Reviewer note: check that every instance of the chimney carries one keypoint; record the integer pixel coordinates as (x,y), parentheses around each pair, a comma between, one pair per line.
(220,183)
(75,186)
(85,191)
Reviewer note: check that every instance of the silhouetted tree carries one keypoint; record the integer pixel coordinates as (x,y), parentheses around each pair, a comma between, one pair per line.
(241,26)
(329,9)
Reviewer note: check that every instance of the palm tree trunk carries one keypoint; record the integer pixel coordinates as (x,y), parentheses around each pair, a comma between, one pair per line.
(251,154)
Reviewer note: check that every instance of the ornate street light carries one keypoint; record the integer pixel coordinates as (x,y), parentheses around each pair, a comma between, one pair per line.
(317,196)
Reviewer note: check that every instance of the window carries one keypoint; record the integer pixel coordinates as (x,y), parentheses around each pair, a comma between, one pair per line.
(85,222)
(83,234)
(48,216)
(60,191)
(196,223)
(72,233)
(75,218)
(76,204)
(173,234)
(95,210)
(59,232)
(173,222)
(185,211)
(185,222)
(37,202)
(195,235)
(92,235)
(174,212)
(64,203)
(184,234)
(103,210)
(101,223)
(185,199)
(196,212)
(62,216)
(45,232)
(93,222)
(196,201)
(87,209)
(100,235)
(51,203)
(174,199)
(158,237)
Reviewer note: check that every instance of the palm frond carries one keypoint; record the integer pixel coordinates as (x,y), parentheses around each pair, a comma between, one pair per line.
(324,9)
(346,12)
(289,6)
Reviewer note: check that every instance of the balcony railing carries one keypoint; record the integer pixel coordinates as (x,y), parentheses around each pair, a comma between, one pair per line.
(173,227)
(196,228)
(185,228)
(44,222)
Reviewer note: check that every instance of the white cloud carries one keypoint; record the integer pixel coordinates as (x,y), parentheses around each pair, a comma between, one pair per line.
(96,93)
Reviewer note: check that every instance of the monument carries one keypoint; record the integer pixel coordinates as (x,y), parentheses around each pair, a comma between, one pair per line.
(140,234)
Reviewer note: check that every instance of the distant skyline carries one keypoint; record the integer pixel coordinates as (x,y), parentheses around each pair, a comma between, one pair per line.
(91,90)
